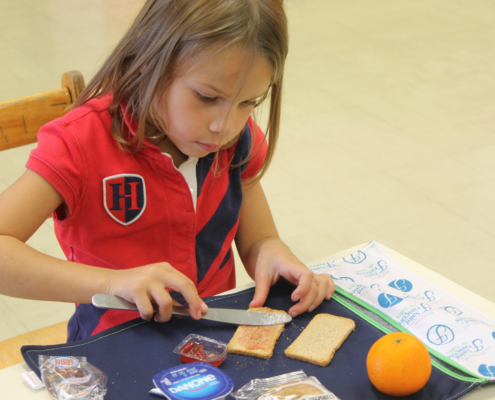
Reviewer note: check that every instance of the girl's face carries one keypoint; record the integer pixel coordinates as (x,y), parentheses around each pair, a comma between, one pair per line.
(207,106)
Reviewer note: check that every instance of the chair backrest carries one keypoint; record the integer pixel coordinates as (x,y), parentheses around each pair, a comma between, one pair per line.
(21,118)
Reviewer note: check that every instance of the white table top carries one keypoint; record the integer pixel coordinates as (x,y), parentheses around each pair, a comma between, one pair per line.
(13,386)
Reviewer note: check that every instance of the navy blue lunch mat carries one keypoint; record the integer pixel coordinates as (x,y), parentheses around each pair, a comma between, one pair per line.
(132,353)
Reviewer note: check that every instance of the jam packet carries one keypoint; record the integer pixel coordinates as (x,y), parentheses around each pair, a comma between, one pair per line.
(292,386)
(197,348)
(68,378)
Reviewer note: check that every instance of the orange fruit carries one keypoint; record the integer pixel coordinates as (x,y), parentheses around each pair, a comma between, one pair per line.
(398,364)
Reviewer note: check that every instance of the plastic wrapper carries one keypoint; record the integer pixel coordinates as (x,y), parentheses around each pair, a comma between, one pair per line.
(291,386)
(68,378)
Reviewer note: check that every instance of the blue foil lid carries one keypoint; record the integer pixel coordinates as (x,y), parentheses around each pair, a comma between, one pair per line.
(195,381)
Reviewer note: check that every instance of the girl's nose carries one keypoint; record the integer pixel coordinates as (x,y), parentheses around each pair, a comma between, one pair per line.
(224,123)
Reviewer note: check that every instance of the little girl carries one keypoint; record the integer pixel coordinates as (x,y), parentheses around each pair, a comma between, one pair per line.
(156,171)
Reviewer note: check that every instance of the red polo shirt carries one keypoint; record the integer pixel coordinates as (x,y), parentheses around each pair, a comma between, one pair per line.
(129,210)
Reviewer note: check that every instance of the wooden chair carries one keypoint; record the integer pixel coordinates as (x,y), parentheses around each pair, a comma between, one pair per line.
(20,120)
(10,349)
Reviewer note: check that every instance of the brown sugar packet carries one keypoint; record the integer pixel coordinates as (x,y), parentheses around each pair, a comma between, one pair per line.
(256,340)
(291,386)
(319,341)
(292,392)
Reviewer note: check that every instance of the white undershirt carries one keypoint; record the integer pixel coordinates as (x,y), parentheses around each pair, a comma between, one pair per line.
(188,170)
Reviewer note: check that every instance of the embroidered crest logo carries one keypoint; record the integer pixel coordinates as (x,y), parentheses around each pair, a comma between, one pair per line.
(124,197)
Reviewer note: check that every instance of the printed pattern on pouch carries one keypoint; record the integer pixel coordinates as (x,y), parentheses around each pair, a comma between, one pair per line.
(441,321)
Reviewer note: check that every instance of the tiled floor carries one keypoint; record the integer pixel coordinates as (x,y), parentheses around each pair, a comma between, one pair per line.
(388,126)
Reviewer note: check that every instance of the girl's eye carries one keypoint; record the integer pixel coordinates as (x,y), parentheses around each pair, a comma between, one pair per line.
(251,103)
(205,99)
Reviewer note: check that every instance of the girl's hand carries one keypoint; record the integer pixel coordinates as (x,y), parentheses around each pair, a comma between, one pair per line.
(266,258)
(145,286)
(276,260)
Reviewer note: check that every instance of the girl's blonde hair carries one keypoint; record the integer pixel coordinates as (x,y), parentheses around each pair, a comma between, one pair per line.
(165,35)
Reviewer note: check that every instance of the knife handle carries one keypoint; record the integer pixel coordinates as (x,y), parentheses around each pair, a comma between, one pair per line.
(117,303)
(180,310)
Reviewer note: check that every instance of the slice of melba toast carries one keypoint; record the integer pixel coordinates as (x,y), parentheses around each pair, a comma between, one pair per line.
(319,341)
(256,340)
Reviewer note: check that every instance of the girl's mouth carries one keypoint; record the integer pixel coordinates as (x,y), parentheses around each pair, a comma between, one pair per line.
(208,147)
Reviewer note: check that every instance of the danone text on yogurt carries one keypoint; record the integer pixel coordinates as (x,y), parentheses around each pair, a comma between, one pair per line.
(195,381)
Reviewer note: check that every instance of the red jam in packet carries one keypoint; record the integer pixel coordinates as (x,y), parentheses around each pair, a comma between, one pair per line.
(197,348)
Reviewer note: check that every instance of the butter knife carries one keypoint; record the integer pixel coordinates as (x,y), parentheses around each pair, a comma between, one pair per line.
(239,317)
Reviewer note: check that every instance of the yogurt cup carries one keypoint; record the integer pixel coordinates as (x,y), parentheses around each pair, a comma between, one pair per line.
(195,381)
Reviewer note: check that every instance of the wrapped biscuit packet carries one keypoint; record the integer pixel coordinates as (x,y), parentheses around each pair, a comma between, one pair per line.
(68,378)
(292,386)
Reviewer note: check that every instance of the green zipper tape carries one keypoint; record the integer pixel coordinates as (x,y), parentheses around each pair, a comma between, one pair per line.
(446,360)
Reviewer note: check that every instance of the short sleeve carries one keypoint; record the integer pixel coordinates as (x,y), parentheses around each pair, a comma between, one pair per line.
(258,150)
(57,158)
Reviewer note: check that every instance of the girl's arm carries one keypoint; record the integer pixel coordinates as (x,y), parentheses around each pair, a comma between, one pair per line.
(266,257)
(27,273)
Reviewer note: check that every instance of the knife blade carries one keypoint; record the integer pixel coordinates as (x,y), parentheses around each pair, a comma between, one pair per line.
(230,316)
